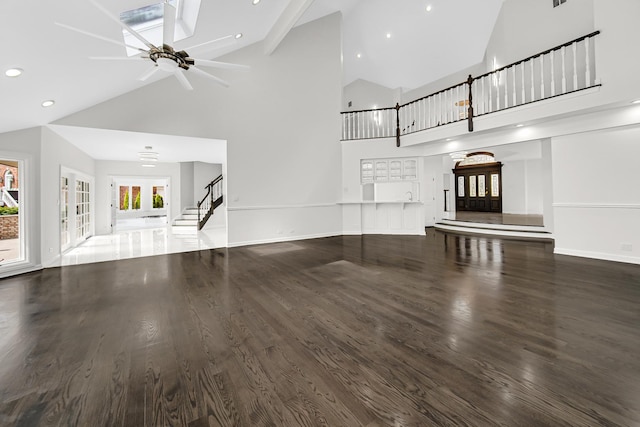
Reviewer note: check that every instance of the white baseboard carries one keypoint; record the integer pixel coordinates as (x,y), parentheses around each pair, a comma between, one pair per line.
(597,255)
(21,268)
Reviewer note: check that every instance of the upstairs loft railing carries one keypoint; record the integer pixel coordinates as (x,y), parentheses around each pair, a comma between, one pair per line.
(210,201)
(561,70)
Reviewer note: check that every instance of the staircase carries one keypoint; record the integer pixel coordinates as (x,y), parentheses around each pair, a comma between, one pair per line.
(193,219)
(514,231)
(186,223)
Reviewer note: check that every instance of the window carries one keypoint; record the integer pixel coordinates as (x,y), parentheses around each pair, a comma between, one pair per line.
(157,200)
(135,197)
(148,22)
(557,3)
(124,198)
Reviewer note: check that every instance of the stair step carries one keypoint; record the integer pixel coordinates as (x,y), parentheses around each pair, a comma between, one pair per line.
(519,231)
(185,222)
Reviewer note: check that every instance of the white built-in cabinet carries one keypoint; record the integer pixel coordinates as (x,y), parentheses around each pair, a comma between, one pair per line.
(390,201)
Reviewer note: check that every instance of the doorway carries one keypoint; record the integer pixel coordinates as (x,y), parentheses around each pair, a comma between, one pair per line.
(12,242)
(76,208)
(478,181)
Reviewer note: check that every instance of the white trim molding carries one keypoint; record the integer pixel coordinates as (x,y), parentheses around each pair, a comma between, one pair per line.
(271,207)
(597,255)
(598,205)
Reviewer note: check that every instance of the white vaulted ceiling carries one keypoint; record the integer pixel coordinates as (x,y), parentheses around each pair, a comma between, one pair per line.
(423,47)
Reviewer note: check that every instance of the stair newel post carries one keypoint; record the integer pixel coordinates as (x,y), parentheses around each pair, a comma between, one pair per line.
(198,224)
(397,107)
(470,111)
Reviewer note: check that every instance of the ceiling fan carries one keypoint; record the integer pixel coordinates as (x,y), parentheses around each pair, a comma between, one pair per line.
(165,57)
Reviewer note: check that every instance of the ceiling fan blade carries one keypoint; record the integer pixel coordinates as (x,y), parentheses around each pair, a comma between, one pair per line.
(169,24)
(182,79)
(106,39)
(223,65)
(209,76)
(150,72)
(120,58)
(223,42)
(123,25)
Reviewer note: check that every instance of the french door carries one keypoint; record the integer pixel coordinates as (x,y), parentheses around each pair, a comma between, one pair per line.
(479,188)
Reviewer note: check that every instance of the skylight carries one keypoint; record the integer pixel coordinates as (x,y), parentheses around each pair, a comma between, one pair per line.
(148,21)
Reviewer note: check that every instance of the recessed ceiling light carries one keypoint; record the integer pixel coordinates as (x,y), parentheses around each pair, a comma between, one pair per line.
(48,103)
(359,56)
(428,8)
(254,2)
(239,36)
(637,101)
(148,166)
(388,35)
(13,72)
(519,125)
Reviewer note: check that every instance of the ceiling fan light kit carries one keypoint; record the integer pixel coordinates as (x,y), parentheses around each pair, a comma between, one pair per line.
(165,58)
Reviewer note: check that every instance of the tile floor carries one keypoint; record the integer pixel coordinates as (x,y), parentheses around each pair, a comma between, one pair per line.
(143,242)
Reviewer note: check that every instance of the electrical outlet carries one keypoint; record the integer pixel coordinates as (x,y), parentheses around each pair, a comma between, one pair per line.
(50,250)
(627,247)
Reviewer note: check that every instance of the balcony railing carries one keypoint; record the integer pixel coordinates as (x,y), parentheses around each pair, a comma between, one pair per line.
(563,69)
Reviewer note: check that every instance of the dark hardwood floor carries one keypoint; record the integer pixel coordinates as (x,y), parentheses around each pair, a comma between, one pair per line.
(442,330)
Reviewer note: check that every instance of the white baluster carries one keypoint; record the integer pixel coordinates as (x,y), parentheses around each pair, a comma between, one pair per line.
(553,73)
(497,84)
(541,76)
(506,88)
(587,62)
(344,126)
(533,89)
(490,92)
(563,53)
(484,99)
(575,66)
(515,91)
(522,69)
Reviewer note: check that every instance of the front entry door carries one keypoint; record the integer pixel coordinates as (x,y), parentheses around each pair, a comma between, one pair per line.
(478,188)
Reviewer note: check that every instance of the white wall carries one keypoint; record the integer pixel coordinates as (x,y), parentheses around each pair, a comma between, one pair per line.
(25,145)
(527,27)
(186,186)
(57,153)
(443,83)
(106,170)
(597,202)
(280,121)
(203,174)
(365,95)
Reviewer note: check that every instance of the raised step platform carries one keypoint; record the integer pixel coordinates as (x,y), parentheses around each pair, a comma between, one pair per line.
(503,230)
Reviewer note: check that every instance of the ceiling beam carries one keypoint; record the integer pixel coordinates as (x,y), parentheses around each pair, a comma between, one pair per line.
(289,17)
